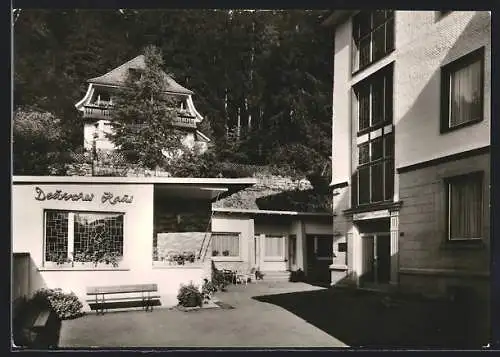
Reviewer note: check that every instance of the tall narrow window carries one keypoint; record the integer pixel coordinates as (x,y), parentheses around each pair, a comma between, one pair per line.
(373,179)
(465,202)
(462,91)
(373,37)
(374,100)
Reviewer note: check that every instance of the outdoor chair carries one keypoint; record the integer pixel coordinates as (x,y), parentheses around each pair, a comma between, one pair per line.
(244,277)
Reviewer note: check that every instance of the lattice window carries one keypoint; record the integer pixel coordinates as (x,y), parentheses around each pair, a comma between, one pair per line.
(97,226)
(56,235)
(83,236)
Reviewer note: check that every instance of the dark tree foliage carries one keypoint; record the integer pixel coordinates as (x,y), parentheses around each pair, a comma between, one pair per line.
(38,144)
(143,115)
(262,79)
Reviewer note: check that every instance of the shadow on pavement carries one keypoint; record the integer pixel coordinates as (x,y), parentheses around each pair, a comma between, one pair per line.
(368,319)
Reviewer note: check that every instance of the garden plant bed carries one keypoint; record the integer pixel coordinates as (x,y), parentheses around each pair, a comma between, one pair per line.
(206,305)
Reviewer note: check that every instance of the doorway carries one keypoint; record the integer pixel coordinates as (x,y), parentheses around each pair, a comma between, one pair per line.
(319,257)
(376,258)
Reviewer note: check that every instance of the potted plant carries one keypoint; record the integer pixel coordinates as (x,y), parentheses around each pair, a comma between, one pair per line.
(215,253)
(225,253)
(179,259)
(60,259)
(258,274)
(79,259)
(190,296)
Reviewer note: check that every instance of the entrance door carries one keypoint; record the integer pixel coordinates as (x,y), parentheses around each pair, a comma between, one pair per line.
(383,261)
(319,257)
(376,258)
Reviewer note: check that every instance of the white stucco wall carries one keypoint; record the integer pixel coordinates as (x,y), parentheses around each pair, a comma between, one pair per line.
(249,227)
(297,228)
(341,128)
(103,143)
(28,236)
(417,84)
(424,42)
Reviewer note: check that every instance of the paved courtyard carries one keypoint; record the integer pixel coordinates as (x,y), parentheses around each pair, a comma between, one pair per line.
(282,314)
(251,323)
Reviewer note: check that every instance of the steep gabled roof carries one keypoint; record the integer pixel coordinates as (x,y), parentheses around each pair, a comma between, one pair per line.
(117,76)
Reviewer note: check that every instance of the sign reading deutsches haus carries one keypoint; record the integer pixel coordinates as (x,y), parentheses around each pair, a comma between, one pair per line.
(60,195)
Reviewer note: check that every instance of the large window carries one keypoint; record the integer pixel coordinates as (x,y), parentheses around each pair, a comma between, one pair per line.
(462,91)
(225,244)
(373,181)
(465,207)
(274,246)
(83,237)
(372,101)
(373,37)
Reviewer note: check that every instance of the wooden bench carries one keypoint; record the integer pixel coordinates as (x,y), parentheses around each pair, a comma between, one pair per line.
(142,295)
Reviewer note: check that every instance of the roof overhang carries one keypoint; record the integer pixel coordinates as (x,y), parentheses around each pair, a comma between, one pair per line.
(270,212)
(337,17)
(181,187)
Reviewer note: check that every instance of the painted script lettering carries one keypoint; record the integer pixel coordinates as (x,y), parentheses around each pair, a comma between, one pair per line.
(60,195)
(109,197)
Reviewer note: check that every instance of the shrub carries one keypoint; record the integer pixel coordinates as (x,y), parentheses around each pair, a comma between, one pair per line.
(189,296)
(66,306)
(218,278)
(208,289)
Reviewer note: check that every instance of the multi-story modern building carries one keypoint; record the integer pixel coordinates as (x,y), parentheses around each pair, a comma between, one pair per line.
(411,149)
(97,104)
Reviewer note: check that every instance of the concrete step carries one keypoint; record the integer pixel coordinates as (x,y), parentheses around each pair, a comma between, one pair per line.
(276,275)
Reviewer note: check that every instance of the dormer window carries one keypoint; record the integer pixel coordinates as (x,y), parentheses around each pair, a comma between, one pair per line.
(103,99)
(135,74)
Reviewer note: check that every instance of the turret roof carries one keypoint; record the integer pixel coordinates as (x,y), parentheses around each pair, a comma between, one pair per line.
(117,76)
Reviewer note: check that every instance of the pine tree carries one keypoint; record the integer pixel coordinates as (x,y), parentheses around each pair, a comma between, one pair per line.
(143,116)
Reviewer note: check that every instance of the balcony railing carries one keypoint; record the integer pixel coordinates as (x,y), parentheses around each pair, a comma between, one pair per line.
(185,122)
(99,112)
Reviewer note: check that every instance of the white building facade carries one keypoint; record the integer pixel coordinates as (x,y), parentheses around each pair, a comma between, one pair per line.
(59,222)
(97,104)
(411,148)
